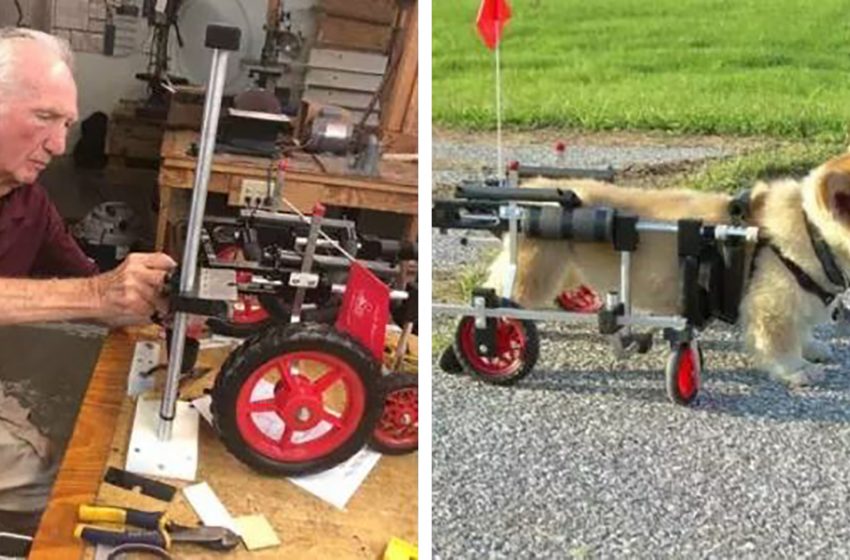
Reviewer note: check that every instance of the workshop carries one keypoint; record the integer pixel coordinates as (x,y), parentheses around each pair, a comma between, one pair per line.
(208,304)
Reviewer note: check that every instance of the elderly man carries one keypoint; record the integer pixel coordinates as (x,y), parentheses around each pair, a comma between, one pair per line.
(44,276)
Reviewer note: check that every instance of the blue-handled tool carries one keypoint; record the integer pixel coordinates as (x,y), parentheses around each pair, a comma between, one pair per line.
(160,532)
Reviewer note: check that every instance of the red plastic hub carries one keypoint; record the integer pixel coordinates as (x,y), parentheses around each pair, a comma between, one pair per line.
(580,300)
(399,423)
(300,406)
(687,377)
(509,353)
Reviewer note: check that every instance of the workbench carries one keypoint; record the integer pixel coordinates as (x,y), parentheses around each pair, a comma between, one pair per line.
(309,179)
(383,507)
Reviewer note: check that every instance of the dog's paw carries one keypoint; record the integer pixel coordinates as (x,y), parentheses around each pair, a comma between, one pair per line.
(806,376)
(818,352)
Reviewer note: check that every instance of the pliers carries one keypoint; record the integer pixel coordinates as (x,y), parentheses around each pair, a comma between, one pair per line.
(160,532)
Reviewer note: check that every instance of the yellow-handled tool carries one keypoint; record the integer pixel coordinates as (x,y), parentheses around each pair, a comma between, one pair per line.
(160,531)
(155,520)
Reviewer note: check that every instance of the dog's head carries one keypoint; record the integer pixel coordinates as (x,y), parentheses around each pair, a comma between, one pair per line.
(832,189)
(828,201)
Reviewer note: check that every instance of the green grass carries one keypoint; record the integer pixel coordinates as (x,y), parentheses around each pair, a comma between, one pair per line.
(455,286)
(742,67)
(792,159)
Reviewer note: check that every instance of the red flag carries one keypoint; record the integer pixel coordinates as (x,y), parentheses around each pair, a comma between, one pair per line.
(493,15)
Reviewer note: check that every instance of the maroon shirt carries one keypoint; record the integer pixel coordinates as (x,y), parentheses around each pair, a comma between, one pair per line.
(34,240)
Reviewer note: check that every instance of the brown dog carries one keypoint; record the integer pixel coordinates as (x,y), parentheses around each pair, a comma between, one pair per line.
(777,313)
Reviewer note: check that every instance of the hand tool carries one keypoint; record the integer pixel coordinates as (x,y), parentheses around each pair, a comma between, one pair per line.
(160,531)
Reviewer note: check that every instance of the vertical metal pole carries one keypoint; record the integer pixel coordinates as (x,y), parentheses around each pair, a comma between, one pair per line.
(307,262)
(212,111)
(513,241)
(625,284)
(500,170)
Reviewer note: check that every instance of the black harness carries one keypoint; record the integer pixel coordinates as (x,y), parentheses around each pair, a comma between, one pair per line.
(824,254)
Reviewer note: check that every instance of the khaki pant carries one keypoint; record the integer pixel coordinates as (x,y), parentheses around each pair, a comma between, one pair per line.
(27,469)
(25,475)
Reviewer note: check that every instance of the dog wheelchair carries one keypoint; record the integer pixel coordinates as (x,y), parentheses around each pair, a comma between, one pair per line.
(333,376)
(296,397)
(274,245)
(497,341)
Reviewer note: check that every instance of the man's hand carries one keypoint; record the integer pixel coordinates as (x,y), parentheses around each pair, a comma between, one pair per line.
(133,292)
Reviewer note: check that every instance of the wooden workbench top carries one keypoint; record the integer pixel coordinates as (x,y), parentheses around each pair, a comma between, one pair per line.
(383,507)
(83,464)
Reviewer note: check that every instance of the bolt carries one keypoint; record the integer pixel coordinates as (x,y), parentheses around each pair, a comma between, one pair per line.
(303,414)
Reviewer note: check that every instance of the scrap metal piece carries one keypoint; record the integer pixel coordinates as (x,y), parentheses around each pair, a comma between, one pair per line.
(148,487)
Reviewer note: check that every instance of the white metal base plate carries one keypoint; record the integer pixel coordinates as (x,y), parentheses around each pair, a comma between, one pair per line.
(218,284)
(175,458)
(145,357)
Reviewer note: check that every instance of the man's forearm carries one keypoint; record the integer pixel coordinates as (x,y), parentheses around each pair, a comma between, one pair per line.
(30,301)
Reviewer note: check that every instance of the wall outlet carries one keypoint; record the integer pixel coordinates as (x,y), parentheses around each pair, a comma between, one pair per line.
(253,192)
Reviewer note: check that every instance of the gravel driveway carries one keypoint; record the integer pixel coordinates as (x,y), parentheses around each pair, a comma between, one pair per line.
(586,458)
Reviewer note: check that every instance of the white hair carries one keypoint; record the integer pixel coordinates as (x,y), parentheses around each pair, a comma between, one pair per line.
(9,36)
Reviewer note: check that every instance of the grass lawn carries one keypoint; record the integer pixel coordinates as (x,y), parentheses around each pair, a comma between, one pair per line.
(743,67)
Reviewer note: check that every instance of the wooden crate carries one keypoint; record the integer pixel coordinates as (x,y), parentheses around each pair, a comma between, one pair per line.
(131,136)
(400,120)
(338,32)
(374,11)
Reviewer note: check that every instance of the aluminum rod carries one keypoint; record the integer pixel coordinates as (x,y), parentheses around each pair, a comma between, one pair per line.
(625,283)
(307,263)
(188,271)
(652,321)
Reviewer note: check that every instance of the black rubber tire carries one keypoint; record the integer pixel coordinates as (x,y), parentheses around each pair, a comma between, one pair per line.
(279,314)
(281,311)
(278,340)
(237,330)
(392,383)
(449,362)
(671,375)
(529,359)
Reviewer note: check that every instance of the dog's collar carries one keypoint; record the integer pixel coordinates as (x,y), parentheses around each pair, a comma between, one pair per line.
(825,256)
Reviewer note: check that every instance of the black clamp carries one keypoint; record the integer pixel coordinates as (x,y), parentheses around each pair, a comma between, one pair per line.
(625,232)
(485,339)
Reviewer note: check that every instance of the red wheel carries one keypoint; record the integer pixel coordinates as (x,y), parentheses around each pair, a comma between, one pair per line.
(297,399)
(247,315)
(248,310)
(397,431)
(683,373)
(516,352)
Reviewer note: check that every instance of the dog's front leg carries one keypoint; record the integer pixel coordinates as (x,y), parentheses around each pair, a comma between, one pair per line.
(817,351)
(776,332)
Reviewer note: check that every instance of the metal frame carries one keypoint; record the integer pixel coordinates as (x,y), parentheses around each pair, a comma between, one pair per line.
(502,207)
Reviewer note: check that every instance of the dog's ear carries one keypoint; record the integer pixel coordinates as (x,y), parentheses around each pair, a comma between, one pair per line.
(834,193)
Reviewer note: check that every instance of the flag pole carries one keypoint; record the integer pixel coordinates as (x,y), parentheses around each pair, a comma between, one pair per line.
(500,170)
(513,226)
